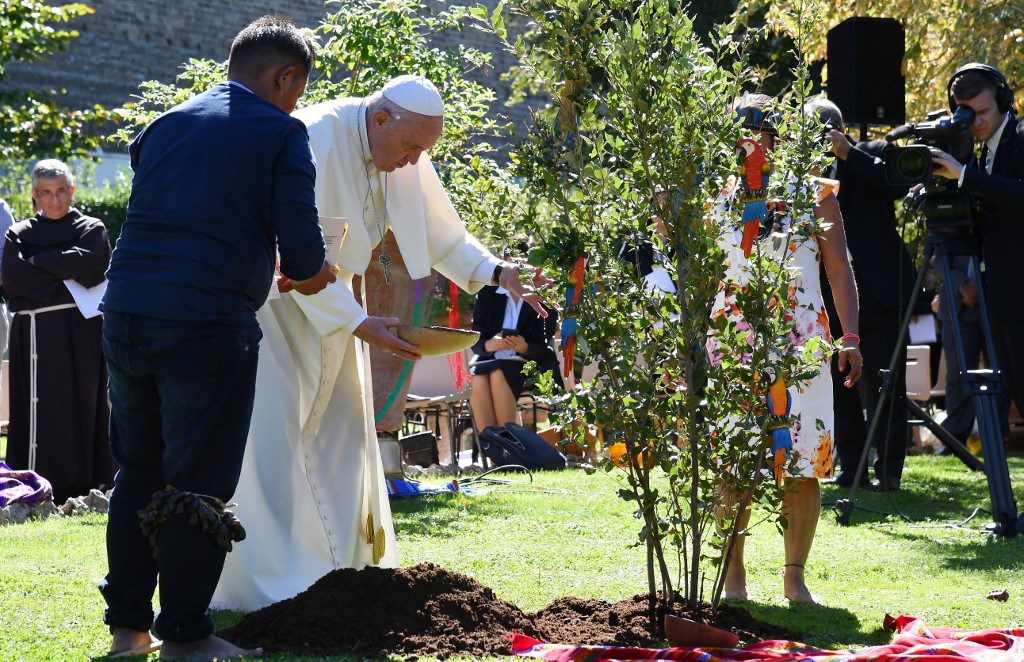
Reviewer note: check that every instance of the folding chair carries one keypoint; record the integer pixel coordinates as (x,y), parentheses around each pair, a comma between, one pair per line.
(939,386)
(432,393)
(919,373)
(528,403)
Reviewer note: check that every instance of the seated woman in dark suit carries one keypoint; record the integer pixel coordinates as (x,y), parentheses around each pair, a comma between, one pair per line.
(510,335)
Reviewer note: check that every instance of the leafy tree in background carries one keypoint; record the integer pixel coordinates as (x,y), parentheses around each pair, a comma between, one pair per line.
(32,123)
(108,202)
(363,44)
(941,35)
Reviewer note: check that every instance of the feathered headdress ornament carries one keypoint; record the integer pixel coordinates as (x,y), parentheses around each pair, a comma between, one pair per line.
(751,113)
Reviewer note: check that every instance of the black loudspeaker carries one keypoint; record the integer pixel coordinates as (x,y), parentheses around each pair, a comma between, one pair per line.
(865,77)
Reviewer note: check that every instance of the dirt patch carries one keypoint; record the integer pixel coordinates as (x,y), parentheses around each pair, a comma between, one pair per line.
(427,610)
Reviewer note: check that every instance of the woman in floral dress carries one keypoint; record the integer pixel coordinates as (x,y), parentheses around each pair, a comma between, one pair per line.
(811,413)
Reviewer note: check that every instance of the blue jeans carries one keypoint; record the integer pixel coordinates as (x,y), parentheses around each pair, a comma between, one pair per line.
(181,399)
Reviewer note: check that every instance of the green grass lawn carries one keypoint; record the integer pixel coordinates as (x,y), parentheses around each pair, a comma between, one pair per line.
(568,534)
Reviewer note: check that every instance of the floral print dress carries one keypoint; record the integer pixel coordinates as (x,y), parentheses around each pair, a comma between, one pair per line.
(812,408)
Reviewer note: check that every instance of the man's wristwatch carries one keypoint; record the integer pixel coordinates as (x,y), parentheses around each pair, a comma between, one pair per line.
(497,273)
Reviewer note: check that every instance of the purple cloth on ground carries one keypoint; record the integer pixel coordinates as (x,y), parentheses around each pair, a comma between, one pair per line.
(22,486)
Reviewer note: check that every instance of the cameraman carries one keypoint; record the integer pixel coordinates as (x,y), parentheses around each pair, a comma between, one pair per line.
(885,278)
(995,178)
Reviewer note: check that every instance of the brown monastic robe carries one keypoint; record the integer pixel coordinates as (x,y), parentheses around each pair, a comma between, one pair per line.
(72,413)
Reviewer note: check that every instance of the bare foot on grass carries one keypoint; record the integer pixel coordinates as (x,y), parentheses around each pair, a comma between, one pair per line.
(128,642)
(206,650)
(795,588)
(735,584)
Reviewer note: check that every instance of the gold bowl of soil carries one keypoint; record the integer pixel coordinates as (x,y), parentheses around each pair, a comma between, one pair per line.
(437,340)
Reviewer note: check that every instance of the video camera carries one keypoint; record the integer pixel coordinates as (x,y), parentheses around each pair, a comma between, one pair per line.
(940,200)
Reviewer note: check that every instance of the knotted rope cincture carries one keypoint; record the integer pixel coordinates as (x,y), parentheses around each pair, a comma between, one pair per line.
(207,512)
(33,390)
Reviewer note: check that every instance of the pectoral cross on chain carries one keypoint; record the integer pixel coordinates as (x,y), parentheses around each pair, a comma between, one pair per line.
(385,261)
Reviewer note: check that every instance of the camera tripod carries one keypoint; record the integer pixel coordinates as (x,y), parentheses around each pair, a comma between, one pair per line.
(983,386)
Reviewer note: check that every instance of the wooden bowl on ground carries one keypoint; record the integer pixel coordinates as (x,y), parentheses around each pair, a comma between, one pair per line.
(685,633)
(437,340)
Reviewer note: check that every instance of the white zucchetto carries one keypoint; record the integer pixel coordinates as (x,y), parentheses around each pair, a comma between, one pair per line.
(416,94)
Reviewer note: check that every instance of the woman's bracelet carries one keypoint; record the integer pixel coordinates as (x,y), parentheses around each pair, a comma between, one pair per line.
(850,336)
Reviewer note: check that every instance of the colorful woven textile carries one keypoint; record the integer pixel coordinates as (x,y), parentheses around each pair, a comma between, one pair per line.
(913,642)
(410,488)
(22,486)
(456,361)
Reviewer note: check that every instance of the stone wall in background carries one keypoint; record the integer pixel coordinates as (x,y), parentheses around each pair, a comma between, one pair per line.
(126,42)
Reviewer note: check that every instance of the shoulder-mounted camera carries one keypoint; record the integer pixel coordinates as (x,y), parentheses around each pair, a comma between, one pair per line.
(912,164)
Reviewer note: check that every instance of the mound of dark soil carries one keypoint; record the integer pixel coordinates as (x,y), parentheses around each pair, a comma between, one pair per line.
(427,610)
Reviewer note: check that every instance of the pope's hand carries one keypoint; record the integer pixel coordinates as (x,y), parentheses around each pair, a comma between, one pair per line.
(377,331)
(509,278)
(316,283)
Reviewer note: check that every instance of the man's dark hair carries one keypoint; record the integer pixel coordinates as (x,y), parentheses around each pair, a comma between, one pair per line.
(825,112)
(970,84)
(268,42)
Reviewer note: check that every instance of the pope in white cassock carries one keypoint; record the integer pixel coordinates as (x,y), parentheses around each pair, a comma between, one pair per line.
(312,496)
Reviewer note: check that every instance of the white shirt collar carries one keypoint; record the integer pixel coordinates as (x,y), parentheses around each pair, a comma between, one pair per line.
(993,142)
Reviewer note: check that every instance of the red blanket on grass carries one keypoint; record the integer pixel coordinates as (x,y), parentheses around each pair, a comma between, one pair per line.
(913,642)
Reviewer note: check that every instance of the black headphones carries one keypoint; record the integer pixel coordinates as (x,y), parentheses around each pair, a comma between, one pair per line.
(1004,95)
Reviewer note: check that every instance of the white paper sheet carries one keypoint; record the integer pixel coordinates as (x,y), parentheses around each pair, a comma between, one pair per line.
(335,228)
(660,280)
(922,329)
(275,293)
(86,298)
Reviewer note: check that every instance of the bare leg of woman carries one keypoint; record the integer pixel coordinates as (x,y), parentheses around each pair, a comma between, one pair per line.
(482,403)
(504,402)
(801,506)
(736,573)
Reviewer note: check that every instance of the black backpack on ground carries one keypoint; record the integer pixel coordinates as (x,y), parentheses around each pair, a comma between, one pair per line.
(514,444)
